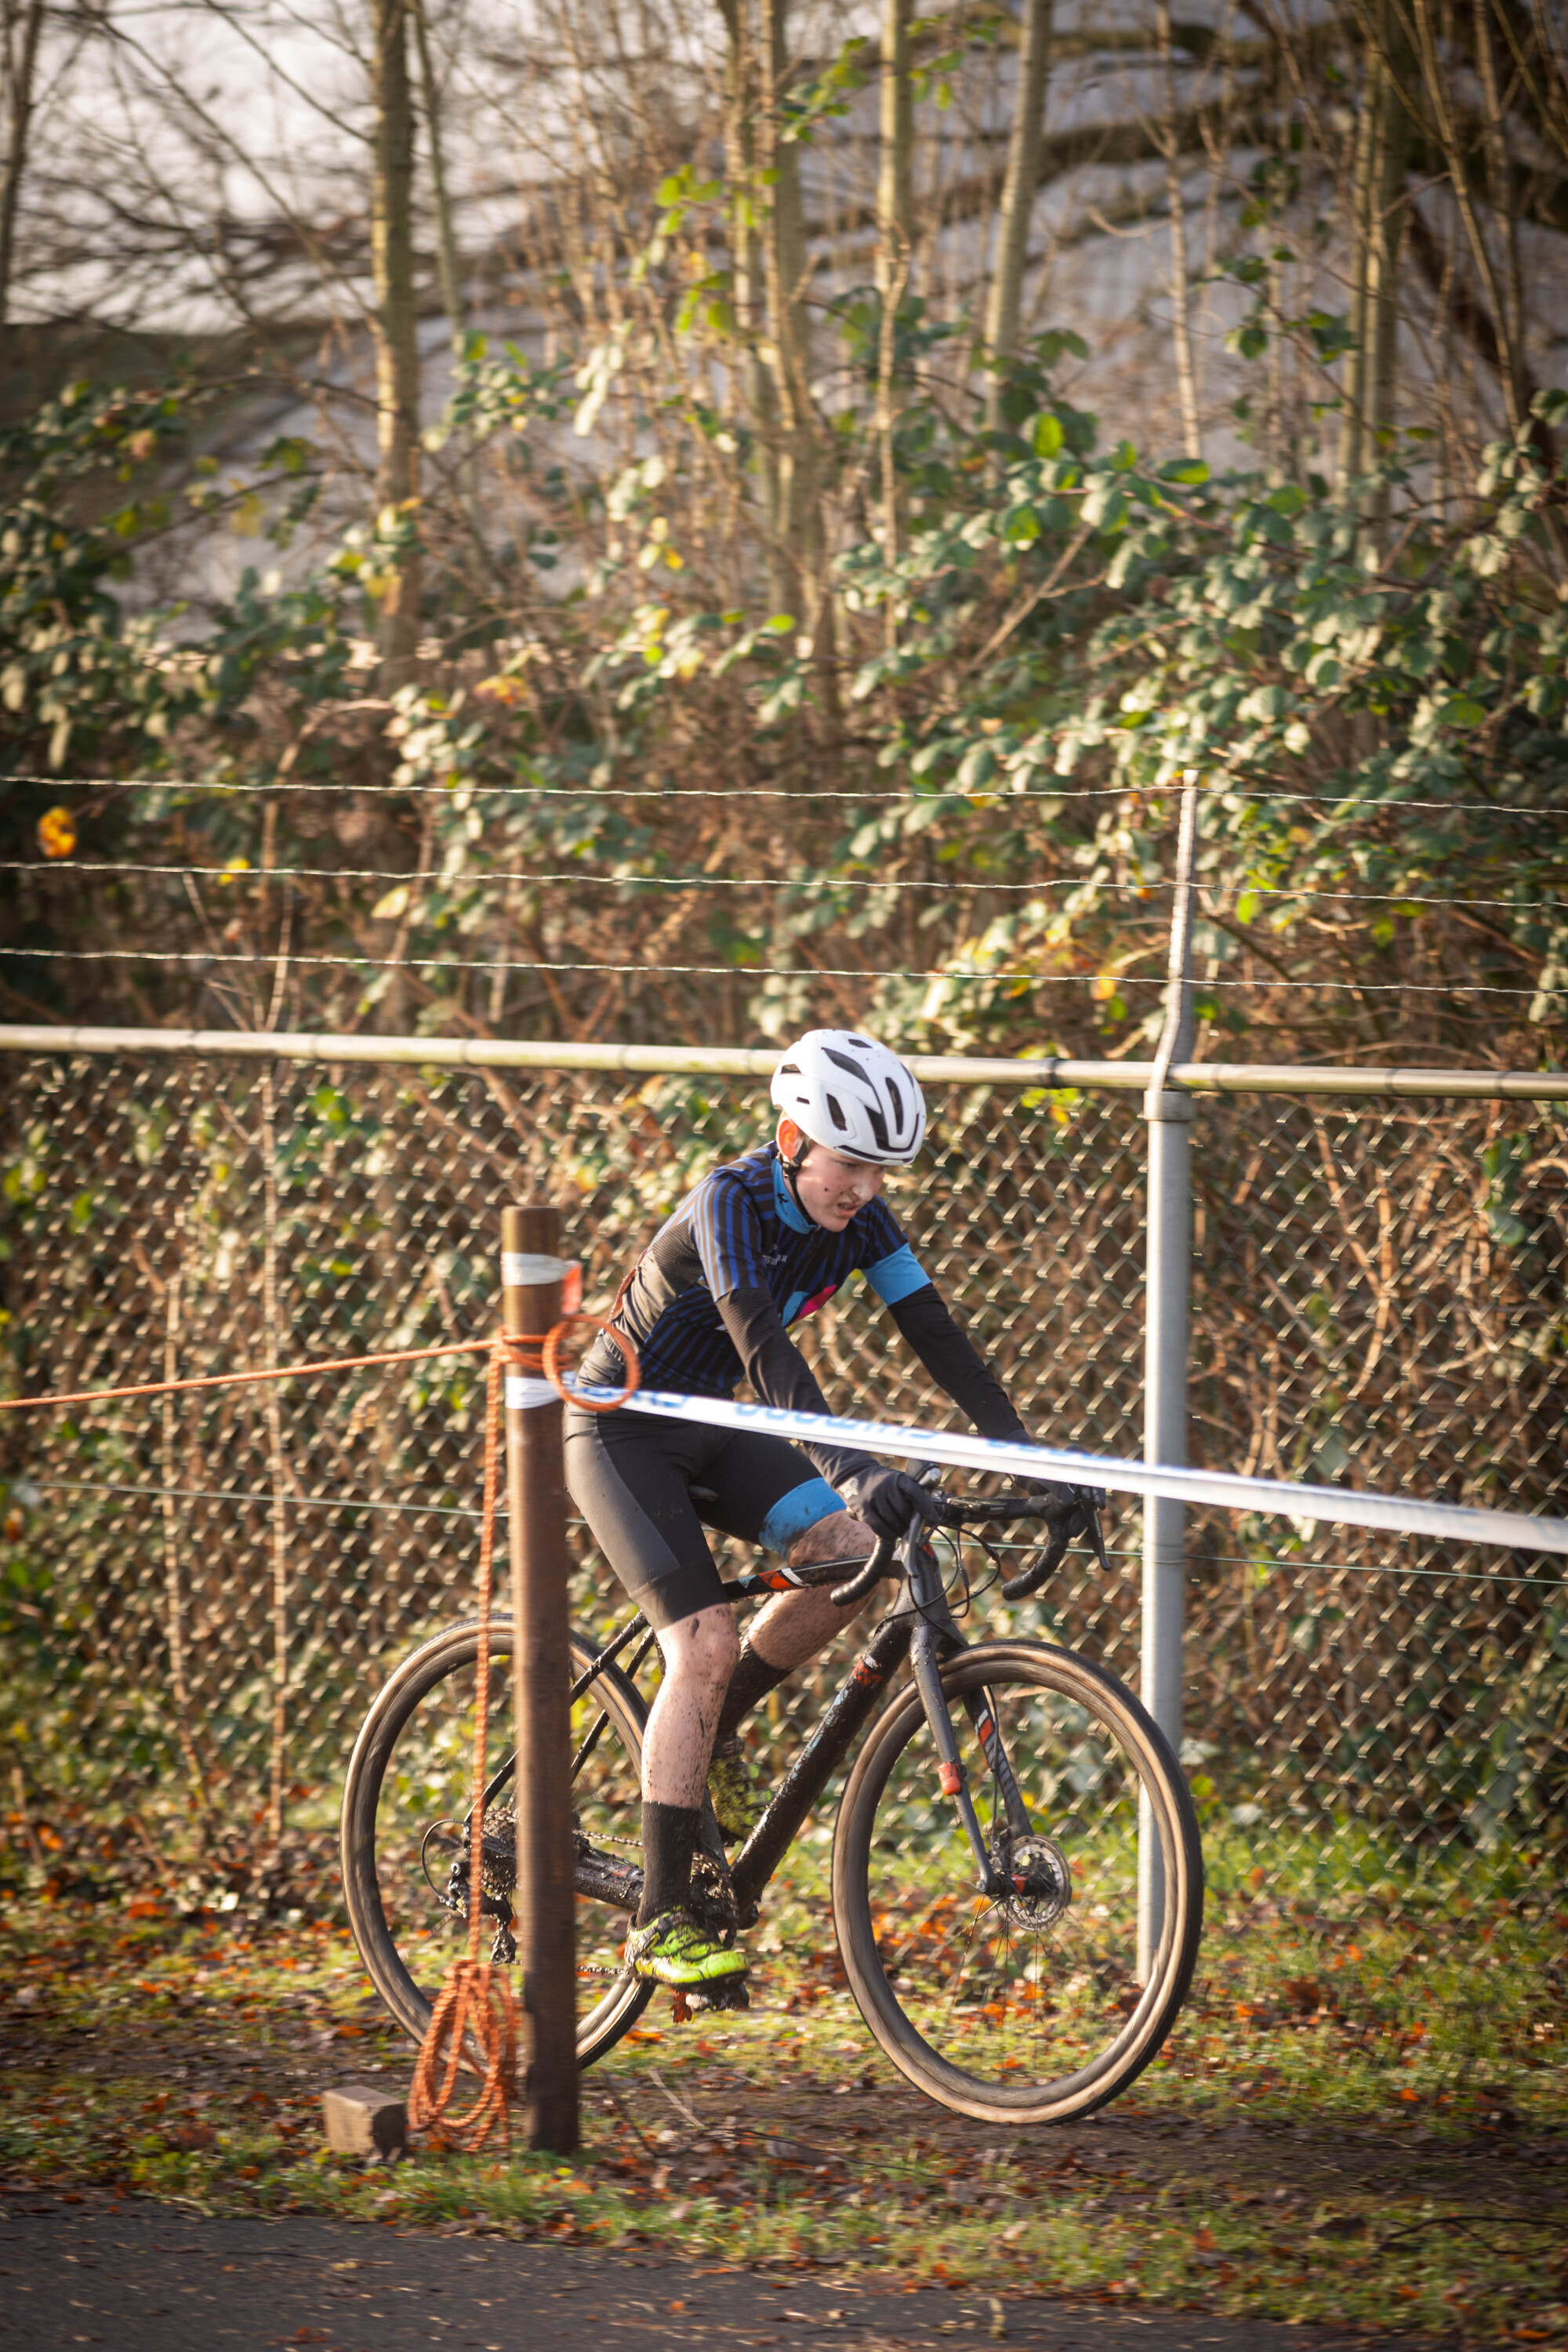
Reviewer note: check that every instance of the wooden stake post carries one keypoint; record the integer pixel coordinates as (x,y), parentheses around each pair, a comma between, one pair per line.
(531,1273)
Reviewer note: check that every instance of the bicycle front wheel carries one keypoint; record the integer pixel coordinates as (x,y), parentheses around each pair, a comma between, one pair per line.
(408,1791)
(1024,2008)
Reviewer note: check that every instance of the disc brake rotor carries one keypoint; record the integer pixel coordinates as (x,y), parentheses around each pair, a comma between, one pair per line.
(1036,1871)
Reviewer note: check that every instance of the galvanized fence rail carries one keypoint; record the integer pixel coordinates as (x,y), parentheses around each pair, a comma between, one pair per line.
(199,1594)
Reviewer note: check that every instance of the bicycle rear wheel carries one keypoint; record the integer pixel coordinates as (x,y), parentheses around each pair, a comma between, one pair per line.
(1023,2010)
(411,1773)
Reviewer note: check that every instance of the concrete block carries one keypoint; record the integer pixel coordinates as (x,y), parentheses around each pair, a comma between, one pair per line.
(364,2121)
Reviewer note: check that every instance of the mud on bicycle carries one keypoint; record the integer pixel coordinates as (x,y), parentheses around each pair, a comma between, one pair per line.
(985,1877)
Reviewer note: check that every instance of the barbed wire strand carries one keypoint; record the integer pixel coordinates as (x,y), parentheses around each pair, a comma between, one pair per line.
(981,795)
(754,971)
(435,885)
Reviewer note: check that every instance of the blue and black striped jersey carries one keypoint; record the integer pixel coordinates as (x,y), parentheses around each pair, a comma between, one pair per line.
(742,1229)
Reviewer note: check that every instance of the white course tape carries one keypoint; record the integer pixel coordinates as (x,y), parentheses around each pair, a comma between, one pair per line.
(519,1268)
(1401,1514)
(522,1392)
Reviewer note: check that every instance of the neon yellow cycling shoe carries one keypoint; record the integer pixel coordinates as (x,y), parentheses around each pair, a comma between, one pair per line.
(738,1803)
(673,1949)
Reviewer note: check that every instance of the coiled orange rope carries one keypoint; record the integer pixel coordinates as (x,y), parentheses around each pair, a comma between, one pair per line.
(474,2021)
(475,2017)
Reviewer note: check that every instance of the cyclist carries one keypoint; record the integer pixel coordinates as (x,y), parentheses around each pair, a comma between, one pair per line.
(755,1247)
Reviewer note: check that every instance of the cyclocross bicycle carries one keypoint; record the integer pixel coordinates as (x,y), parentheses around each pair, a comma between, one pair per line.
(985,1860)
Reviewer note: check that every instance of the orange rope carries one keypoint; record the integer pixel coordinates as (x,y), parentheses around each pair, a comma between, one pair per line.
(547,1361)
(237,1380)
(475,2017)
(474,2021)
(549,1364)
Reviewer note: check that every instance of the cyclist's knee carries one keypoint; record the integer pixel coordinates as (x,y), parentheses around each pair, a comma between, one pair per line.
(702,1648)
(838,1536)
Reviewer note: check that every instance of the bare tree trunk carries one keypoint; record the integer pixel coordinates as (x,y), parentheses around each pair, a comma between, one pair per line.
(1181,315)
(1354,395)
(1275,437)
(895,246)
(788,265)
(447,263)
(1499,180)
(895,180)
(756,385)
(20,32)
(1379,208)
(448,269)
(396,334)
(1004,296)
(786,269)
(1435,81)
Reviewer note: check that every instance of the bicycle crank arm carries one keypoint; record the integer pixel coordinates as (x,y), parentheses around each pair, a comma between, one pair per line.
(604,1880)
(924,1657)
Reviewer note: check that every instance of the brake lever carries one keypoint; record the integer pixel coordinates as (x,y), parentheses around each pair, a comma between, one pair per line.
(845,1595)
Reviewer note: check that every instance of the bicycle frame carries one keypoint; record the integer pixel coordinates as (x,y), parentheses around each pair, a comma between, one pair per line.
(920,1626)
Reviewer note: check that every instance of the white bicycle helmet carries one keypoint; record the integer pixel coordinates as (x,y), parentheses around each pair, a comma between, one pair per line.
(852,1096)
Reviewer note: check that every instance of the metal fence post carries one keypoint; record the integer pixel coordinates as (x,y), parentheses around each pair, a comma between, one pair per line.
(1168,1284)
(531,1274)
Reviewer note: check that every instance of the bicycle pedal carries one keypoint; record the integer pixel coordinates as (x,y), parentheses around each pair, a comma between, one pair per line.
(729,1993)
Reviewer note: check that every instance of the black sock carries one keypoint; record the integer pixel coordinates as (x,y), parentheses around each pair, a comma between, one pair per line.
(669,1843)
(753,1679)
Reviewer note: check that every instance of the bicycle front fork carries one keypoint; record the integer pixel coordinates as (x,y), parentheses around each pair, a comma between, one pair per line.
(926,1648)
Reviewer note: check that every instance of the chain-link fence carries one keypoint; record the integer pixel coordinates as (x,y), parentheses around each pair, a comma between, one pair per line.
(200,1593)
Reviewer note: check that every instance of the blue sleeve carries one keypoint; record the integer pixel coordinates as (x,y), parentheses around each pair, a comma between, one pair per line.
(895,1277)
(884,1257)
(729,1233)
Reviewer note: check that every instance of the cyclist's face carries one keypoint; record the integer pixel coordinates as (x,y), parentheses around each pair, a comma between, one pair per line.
(831,1190)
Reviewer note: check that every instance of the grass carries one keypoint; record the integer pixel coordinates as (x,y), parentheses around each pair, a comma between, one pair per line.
(1306,2147)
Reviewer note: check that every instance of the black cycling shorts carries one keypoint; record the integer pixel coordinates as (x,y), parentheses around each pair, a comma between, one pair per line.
(631,1476)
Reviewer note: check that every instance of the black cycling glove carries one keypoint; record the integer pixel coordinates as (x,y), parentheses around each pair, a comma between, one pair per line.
(1060,1497)
(1063,1497)
(889,1500)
